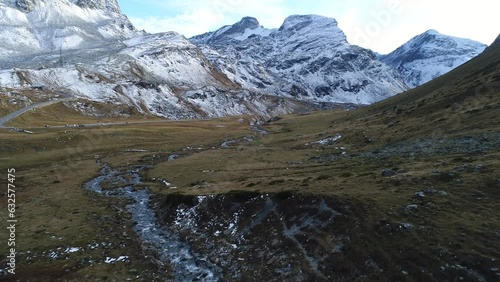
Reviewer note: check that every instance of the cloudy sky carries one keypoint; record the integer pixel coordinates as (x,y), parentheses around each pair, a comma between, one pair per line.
(381,25)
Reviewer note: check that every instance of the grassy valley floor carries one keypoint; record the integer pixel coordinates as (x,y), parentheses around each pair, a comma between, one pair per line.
(425,205)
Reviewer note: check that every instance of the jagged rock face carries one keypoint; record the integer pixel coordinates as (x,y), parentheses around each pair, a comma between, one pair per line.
(105,5)
(240,27)
(241,30)
(430,55)
(307,58)
(26,5)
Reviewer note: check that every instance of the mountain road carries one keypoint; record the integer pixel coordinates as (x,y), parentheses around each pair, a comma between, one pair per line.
(11,116)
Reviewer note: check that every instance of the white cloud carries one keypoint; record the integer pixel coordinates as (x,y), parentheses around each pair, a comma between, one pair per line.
(381,29)
(188,24)
(202,16)
(381,25)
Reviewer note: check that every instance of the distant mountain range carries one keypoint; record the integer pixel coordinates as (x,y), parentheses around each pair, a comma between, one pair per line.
(311,54)
(307,58)
(89,49)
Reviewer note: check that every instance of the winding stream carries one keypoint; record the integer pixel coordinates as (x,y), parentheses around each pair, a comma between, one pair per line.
(186,265)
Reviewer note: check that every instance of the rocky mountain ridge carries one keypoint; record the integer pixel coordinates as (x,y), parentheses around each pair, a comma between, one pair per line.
(90,50)
(307,58)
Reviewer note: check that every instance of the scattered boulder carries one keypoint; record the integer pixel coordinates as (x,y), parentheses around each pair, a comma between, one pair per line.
(412,207)
(388,173)
(443,193)
(479,168)
(173,157)
(273,119)
(420,194)
(406,225)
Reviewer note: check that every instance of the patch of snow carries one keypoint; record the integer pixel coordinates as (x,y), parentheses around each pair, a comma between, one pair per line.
(53,255)
(249,32)
(72,250)
(114,260)
(328,141)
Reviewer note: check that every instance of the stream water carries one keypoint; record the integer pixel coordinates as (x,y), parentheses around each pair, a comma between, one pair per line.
(186,265)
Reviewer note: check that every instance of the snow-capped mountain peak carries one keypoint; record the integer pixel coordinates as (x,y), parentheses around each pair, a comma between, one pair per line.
(305,33)
(246,22)
(89,49)
(242,30)
(307,58)
(431,54)
(431,31)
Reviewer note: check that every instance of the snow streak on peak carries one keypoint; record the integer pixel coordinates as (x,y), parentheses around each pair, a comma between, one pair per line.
(297,22)
(432,31)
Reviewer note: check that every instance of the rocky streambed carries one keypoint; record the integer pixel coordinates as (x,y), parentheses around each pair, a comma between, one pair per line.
(275,237)
(184,262)
(236,236)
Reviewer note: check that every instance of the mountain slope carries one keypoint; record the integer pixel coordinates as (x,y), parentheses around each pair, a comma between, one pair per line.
(89,50)
(494,45)
(160,74)
(464,101)
(430,55)
(419,170)
(308,58)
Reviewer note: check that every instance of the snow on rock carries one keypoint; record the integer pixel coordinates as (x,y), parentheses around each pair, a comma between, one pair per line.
(50,25)
(118,259)
(72,250)
(328,141)
(307,58)
(88,49)
(240,31)
(431,54)
(162,74)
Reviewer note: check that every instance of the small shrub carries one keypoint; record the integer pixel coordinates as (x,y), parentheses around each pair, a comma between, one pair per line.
(323,177)
(346,174)
(277,181)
